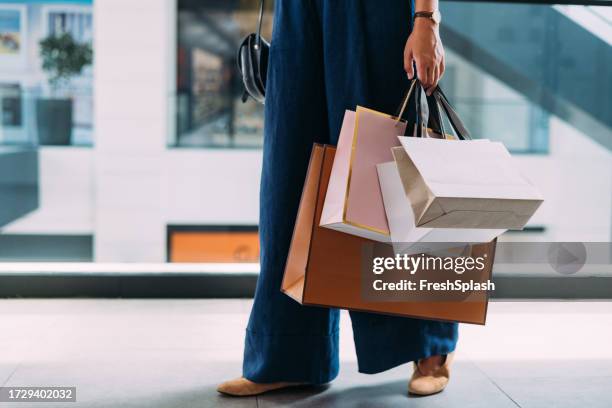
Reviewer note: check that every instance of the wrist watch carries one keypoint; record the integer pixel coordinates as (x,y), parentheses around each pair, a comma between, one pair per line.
(434,16)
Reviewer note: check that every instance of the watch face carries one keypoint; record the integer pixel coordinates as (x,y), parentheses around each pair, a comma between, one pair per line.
(436,17)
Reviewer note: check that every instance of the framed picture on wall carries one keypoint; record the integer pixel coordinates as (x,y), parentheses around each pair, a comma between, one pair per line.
(13,41)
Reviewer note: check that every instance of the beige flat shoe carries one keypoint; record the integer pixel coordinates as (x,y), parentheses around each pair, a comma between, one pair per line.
(428,384)
(241,387)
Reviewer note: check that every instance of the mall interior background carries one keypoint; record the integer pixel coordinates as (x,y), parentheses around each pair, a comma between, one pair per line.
(161,161)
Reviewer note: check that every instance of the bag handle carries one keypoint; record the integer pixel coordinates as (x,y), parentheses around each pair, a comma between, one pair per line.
(460,129)
(422,112)
(259,24)
(422,108)
(436,121)
(430,113)
(404,103)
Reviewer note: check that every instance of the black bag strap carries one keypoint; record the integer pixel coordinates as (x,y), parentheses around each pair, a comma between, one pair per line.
(429,112)
(458,126)
(421,108)
(436,121)
(422,112)
(259,24)
(415,90)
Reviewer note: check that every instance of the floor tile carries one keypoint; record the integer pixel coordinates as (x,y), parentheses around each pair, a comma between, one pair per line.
(132,383)
(566,392)
(6,370)
(584,369)
(540,331)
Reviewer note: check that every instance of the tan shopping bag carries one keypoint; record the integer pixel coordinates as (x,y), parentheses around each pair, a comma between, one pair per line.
(324,266)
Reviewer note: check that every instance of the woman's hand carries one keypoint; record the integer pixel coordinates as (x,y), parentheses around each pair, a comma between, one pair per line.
(424,47)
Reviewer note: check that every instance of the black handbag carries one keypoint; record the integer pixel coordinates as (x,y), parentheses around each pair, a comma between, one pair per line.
(252,62)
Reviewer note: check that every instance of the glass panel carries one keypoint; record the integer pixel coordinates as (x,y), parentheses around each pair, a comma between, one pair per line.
(493,110)
(521,64)
(209,109)
(537,77)
(46,131)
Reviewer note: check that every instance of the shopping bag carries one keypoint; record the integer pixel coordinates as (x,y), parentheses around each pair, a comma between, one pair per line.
(353,203)
(406,237)
(324,266)
(465,184)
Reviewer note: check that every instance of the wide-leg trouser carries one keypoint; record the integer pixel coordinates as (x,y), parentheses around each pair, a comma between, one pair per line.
(326,56)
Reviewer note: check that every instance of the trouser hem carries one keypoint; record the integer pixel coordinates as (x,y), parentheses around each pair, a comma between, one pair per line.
(374,368)
(303,358)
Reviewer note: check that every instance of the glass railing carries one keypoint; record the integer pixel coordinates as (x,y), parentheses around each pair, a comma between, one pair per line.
(493,110)
(520,65)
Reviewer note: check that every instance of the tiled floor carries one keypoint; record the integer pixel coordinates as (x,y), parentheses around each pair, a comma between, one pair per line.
(171,353)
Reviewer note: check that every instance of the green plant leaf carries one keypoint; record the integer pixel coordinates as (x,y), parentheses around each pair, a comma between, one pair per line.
(63,57)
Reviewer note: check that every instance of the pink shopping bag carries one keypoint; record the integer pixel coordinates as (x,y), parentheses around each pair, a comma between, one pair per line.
(353,203)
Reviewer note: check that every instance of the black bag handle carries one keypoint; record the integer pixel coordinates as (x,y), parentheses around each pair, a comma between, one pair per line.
(429,111)
(259,24)
(436,121)
(460,129)
(421,109)
(422,112)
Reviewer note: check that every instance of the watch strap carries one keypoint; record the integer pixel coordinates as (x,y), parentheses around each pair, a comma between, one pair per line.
(426,14)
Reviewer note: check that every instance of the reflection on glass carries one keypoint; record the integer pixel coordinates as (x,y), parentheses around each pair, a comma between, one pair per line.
(209,110)
(511,71)
(493,110)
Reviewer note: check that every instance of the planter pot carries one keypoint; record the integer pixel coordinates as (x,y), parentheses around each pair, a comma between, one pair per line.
(54,121)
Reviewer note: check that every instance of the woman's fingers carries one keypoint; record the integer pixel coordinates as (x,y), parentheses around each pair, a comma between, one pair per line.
(408,66)
(424,47)
(429,70)
(434,80)
(423,72)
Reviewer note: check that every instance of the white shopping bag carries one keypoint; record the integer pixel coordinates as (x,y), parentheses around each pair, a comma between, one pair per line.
(406,237)
(465,184)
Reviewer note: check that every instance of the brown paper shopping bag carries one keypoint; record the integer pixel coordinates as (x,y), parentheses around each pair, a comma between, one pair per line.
(324,266)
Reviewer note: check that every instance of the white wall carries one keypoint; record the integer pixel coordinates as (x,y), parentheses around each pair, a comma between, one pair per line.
(131,44)
(210,187)
(576,180)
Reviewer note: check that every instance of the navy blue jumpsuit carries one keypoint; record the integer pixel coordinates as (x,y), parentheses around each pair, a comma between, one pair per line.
(326,56)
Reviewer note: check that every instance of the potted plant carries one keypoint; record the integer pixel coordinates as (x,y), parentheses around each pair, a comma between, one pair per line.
(62,58)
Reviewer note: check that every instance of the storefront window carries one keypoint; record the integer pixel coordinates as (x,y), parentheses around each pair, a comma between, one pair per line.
(209,110)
